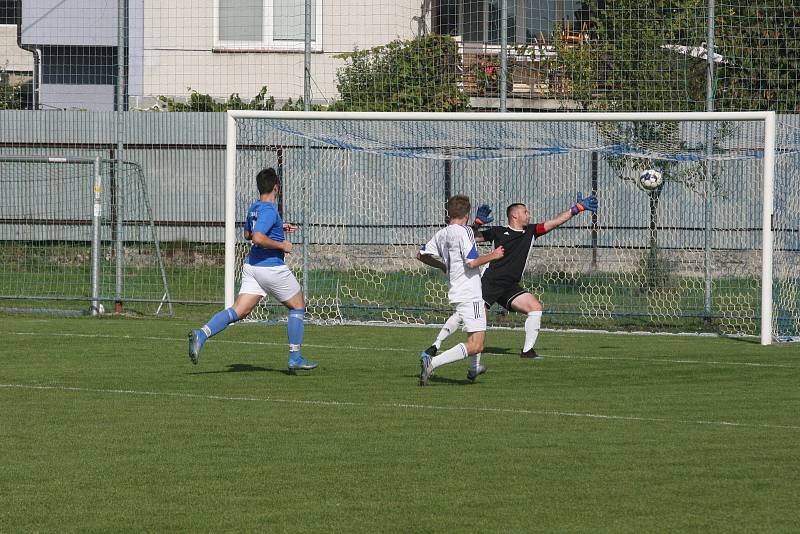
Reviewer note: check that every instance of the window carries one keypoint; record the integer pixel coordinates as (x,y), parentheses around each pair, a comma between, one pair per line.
(8,12)
(478,21)
(79,65)
(266,24)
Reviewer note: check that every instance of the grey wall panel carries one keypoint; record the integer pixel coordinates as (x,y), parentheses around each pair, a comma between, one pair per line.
(182,156)
(69,22)
(81,97)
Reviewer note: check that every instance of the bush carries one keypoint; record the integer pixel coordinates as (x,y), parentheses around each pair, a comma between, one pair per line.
(10,95)
(423,74)
(206,103)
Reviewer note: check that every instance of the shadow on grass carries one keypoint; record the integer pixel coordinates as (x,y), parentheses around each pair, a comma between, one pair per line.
(443,380)
(500,351)
(748,340)
(247,368)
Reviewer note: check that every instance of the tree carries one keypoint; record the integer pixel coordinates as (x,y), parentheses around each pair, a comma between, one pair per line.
(422,74)
(631,63)
(759,41)
(627,65)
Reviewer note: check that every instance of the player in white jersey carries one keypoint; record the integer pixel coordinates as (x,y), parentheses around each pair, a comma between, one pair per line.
(263,273)
(500,281)
(453,250)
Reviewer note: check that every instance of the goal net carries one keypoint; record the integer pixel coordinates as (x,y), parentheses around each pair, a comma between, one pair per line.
(77,236)
(696,254)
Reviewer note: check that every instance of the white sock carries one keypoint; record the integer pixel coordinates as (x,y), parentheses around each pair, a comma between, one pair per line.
(450,326)
(532,325)
(474,362)
(453,354)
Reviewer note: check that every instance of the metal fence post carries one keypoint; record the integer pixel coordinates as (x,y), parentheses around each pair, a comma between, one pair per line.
(97,213)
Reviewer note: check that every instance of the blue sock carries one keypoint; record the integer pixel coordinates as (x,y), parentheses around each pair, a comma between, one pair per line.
(295,328)
(217,324)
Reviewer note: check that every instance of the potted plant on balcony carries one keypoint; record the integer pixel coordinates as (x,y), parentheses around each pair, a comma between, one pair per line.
(487,78)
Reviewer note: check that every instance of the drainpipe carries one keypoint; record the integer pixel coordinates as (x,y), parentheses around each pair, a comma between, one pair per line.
(37,60)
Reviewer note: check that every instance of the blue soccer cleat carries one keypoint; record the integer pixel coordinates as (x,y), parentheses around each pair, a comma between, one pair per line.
(300,363)
(430,351)
(472,375)
(195,345)
(425,370)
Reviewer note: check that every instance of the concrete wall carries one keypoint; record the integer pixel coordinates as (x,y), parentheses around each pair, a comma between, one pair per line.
(12,57)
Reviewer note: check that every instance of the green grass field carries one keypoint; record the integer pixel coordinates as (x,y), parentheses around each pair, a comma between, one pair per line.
(106,426)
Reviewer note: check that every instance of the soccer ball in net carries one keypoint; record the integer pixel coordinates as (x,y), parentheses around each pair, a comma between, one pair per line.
(651,179)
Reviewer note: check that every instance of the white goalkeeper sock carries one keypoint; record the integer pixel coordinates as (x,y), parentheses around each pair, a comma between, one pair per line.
(474,362)
(450,326)
(453,354)
(532,325)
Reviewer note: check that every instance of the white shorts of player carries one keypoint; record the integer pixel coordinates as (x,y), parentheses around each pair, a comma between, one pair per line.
(276,281)
(473,315)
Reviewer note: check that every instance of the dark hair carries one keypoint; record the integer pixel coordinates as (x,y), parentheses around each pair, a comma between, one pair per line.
(511,208)
(266,180)
(458,206)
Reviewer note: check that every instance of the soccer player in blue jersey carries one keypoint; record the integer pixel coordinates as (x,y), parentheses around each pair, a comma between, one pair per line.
(264,272)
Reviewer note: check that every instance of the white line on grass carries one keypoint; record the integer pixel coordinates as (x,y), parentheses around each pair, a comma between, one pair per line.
(406,350)
(333,403)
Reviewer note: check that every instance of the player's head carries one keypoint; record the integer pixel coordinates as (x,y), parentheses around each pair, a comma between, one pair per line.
(457,207)
(518,213)
(266,180)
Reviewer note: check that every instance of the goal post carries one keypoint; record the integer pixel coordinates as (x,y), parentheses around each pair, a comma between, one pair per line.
(766,228)
(520,157)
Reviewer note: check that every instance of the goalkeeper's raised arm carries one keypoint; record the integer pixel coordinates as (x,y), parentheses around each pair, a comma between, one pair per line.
(582,203)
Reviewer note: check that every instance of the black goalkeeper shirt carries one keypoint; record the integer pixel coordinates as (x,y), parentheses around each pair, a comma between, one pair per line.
(517,245)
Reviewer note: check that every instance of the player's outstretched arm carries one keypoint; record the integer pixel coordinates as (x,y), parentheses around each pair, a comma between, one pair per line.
(581,204)
(496,254)
(433,261)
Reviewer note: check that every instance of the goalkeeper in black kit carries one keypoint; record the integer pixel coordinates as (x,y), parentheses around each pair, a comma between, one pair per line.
(500,281)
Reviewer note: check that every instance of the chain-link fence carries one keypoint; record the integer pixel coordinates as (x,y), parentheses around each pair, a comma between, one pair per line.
(410,55)
(110,79)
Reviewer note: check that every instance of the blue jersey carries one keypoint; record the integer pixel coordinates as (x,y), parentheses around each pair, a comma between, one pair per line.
(264,217)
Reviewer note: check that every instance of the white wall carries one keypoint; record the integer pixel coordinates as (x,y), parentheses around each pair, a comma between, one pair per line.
(172,46)
(179,49)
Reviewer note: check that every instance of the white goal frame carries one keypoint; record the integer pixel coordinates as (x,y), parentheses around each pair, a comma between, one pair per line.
(767,117)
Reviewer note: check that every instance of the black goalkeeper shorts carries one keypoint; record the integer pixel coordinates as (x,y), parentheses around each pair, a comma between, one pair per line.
(502,294)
